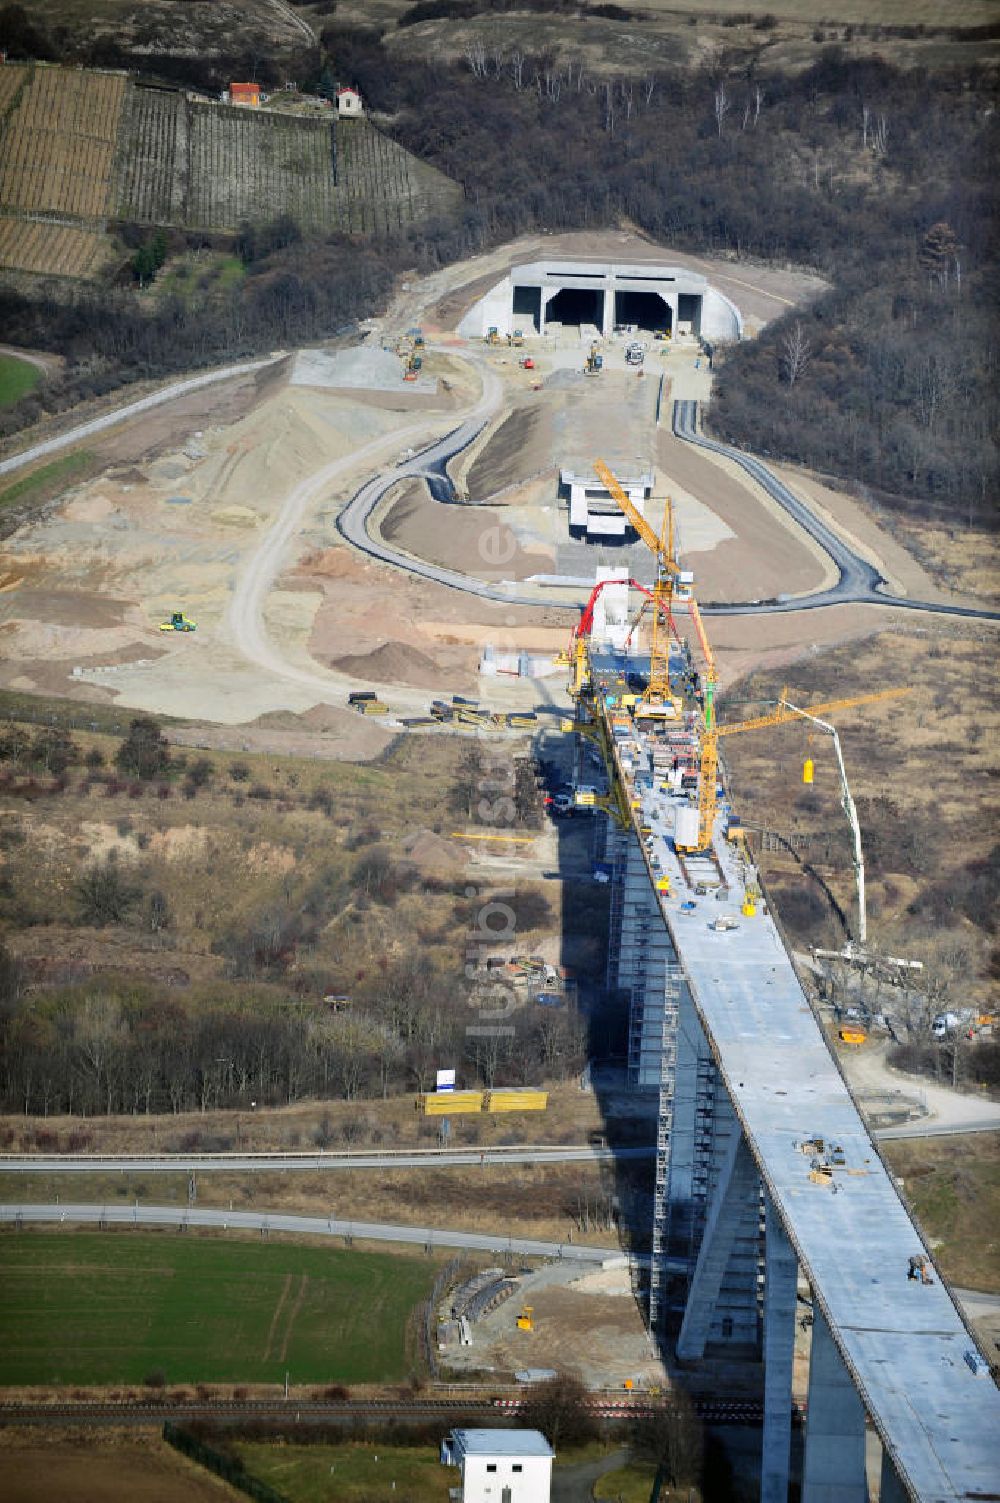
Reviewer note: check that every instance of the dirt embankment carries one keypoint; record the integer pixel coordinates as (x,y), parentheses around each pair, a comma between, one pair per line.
(520,448)
(366,607)
(392,663)
(473,540)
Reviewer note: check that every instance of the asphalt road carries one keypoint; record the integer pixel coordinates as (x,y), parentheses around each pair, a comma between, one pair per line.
(266,1222)
(859,583)
(423,1158)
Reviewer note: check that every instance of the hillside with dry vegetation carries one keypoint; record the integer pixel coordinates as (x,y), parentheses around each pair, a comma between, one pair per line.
(922,771)
(186,931)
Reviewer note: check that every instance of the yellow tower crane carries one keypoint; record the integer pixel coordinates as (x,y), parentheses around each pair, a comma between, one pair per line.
(657,698)
(708,772)
(782,714)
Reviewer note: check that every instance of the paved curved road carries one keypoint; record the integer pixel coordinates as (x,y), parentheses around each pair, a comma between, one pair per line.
(353,521)
(859,583)
(424,1158)
(266,1222)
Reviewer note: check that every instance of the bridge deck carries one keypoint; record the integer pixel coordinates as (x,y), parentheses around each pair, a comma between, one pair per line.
(903,1342)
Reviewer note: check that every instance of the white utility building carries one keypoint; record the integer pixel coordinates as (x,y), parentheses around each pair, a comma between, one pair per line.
(501,1466)
(601,297)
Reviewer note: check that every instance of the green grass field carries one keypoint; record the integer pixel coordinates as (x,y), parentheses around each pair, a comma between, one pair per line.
(632,1483)
(69,468)
(17,378)
(102,1308)
(350,1473)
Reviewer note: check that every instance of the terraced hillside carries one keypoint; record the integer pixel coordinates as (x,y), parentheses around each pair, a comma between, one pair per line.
(212,166)
(153,165)
(59,136)
(79,148)
(43,248)
(251,164)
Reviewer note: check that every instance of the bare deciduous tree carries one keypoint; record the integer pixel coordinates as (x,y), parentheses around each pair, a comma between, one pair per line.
(475,56)
(721,106)
(796,352)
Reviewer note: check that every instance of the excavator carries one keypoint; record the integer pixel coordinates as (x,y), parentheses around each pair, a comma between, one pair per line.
(178,622)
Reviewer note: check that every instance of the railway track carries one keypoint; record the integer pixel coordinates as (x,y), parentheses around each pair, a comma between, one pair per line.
(710,1410)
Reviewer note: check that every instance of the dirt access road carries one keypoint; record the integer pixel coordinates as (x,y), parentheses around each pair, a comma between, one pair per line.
(74,436)
(245,624)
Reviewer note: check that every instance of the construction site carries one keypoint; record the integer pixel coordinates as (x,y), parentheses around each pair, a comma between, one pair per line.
(497,514)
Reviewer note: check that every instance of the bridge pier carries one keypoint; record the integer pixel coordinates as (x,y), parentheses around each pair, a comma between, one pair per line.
(737,1185)
(698,1134)
(834,1469)
(781,1276)
(891,1490)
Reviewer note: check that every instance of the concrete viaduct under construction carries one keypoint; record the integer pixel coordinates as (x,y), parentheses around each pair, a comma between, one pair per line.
(765,1171)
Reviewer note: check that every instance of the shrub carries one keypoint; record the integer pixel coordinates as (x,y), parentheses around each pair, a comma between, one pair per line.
(105,896)
(321,798)
(201,772)
(144,753)
(239,772)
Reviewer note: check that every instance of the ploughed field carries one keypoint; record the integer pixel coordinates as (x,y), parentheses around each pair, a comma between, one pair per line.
(105,1308)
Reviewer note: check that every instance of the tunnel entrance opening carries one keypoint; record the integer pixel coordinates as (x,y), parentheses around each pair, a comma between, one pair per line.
(647,311)
(577,305)
(688,313)
(527,309)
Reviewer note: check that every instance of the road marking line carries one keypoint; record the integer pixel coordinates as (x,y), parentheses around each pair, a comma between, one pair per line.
(775,296)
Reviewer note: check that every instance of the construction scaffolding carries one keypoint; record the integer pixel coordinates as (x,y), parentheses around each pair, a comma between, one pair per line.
(664,1128)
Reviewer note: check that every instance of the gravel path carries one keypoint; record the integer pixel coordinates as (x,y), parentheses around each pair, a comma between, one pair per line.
(122,414)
